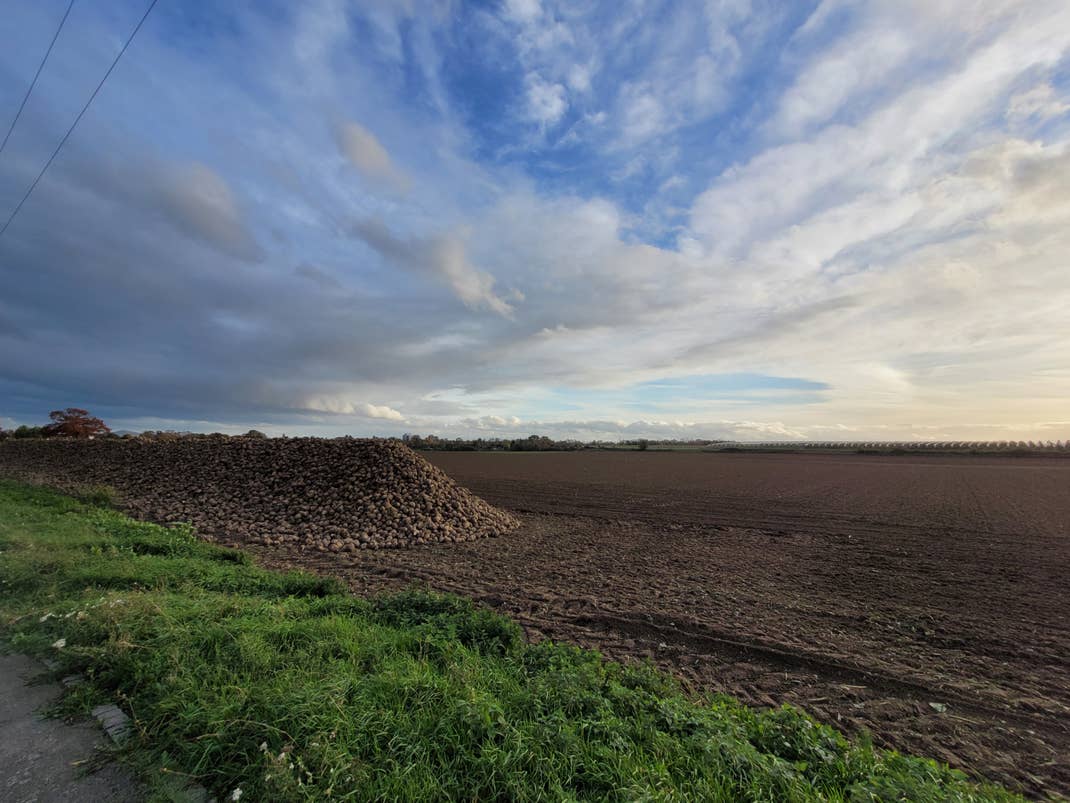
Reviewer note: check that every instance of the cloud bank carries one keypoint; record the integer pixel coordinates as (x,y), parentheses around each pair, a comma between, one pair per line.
(372,218)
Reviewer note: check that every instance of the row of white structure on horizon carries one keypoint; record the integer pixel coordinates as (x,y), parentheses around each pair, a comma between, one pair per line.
(988,446)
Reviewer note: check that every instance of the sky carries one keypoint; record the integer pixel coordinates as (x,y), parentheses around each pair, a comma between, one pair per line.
(816,219)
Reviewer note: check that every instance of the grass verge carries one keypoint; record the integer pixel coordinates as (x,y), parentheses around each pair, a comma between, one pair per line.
(286,687)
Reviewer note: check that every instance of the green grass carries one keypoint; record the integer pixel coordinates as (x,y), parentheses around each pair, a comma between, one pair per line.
(285,686)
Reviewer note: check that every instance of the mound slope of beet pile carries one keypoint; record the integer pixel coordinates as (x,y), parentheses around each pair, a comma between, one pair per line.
(338,495)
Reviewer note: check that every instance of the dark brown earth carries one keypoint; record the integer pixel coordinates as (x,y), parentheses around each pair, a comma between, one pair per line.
(923,599)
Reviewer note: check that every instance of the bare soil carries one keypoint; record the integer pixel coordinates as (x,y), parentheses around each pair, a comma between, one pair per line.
(922,599)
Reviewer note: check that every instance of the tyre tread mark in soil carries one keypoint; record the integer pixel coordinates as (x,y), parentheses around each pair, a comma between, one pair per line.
(860,589)
(700,639)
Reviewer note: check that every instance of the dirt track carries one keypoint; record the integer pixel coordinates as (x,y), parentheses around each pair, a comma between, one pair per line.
(923,599)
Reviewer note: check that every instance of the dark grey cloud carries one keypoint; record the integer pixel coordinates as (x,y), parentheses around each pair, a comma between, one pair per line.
(141,286)
(318,275)
(130,310)
(191,198)
(367,154)
(200,203)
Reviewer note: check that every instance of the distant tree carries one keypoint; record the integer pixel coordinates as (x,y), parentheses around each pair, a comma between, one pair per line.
(254,433)
(29,432)
(644,444)
(74,423)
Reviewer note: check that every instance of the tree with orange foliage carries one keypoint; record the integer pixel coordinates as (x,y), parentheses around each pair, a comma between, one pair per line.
(75,423)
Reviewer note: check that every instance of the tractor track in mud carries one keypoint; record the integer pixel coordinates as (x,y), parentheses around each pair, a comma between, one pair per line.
(921,600)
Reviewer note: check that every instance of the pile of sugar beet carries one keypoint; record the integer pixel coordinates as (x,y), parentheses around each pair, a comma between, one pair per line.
(334,495)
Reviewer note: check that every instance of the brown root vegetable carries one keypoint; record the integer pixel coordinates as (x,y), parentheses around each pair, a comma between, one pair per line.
(329,495)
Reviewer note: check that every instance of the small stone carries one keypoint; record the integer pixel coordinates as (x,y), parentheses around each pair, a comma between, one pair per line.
(115,723)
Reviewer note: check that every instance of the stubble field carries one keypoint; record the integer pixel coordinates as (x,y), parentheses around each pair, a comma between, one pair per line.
(923,599)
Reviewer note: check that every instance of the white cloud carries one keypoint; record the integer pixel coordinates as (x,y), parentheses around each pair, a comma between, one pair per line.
(579,78)
(895,226)
(341,406)
(378,411)
(901,146)
(862,62)
(661,76)
(1039,103)
(321,26)
(474,287)
(443,256)
(614,430)
(642,113)
(492,422)
(547,103)
(525,11)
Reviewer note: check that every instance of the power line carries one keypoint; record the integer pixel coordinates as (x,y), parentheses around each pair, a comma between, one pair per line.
(70,130)
(36,75)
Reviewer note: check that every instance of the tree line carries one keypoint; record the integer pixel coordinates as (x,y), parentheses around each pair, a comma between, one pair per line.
(538,443)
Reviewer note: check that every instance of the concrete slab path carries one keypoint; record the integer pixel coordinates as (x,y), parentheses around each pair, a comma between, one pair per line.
(40,758)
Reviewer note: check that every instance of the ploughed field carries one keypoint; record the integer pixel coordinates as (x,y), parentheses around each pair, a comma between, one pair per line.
(924,599)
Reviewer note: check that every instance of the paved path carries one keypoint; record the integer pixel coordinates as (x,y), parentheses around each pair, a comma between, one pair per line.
(38,756)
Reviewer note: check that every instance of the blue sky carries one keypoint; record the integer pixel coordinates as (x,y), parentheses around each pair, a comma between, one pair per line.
(735,219)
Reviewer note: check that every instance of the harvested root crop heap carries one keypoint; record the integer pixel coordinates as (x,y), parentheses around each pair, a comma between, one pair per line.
(337,495)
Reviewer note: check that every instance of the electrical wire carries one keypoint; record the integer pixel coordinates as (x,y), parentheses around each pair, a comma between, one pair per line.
(36,75)
(70,130)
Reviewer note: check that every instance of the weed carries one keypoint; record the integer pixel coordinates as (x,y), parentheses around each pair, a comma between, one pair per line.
(96,495)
